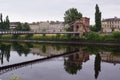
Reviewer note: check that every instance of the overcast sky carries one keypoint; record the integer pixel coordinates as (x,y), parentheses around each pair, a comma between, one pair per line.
(43,10)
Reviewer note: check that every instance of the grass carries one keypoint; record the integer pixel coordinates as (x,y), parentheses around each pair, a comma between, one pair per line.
(51,37)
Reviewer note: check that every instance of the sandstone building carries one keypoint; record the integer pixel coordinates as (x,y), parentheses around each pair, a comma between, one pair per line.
(48,26)
(111,24)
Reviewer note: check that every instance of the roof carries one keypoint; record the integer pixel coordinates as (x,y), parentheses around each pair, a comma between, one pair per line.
(14,22)
(111,19)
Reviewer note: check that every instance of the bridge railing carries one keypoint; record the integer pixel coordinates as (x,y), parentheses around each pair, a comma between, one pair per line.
(31,32)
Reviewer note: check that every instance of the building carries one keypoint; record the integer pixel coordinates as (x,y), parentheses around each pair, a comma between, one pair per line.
(77,58)
(111,24)
(57,27)
(47,51)
(110,58)
(13,25)
(44,26)
(34,27)
(81,25)
(48,26)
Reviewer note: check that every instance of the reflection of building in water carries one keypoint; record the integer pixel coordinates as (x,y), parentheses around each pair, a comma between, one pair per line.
(73,62)
(80,57)
(110,58)
(47,51)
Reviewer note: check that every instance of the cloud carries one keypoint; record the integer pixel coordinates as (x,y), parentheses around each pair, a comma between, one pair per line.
(39,10)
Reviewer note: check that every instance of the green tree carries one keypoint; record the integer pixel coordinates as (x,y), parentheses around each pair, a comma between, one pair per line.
(97,19)
(92,36)
(116,35)
(7,23)
(26,27)
(4,25)
(18,27)
(71,15)
(92,28)
(23,27)
(1,22)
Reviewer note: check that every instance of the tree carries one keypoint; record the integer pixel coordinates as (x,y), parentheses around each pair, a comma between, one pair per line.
(97,19)
(1,22)
(71,15)
(92,28)
(18,27)
(26,27)
(92,36)
(4,25)
(97,65)
(7,23)
(116,35)
(22,27)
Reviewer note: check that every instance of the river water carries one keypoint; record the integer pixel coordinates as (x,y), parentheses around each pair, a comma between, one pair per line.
(88,63)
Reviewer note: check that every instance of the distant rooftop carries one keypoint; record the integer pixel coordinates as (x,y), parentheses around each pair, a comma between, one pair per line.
(111,19)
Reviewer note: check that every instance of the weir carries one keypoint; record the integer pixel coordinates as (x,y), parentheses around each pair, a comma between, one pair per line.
(7,68)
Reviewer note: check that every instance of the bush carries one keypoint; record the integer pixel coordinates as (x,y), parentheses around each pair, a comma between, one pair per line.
(108,38)
(92,36)
(116,36)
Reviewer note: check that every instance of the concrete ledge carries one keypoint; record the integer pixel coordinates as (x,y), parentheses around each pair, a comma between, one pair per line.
(65,42)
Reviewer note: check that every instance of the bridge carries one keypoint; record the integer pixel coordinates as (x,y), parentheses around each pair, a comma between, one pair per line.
(31,32)
(7,68)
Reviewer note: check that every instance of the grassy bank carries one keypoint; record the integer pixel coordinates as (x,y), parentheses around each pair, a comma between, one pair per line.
(90,37)
(37,37)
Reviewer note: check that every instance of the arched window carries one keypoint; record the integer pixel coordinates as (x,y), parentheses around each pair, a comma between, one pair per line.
(77,28)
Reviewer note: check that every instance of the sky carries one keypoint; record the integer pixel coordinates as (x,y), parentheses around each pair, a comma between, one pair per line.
(47,10)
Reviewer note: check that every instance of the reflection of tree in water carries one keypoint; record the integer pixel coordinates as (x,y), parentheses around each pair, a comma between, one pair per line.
(71,66)
(71,48)
(58,47)
(97,65)
(5,52)
(21,49)
(73,63)
(44,48)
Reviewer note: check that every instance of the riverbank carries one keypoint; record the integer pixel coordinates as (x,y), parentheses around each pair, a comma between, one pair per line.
(65,42)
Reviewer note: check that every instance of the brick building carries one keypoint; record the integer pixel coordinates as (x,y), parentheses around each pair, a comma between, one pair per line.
(81,25)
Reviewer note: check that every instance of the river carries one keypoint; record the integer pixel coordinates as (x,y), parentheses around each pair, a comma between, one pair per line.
(88,63)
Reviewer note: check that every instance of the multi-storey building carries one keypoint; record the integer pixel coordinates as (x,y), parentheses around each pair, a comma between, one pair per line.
(48,26)
(111,24)
(110,58)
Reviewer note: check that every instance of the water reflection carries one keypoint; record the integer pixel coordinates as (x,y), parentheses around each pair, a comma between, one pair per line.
(110,57)
(22,48)
(97,65)
(5,52)
(35,49)
(73,63)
